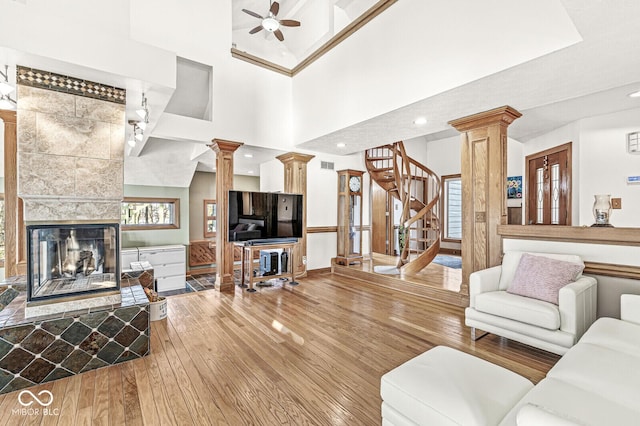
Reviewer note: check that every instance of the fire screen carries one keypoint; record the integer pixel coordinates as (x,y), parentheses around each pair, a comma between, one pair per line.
(70,260)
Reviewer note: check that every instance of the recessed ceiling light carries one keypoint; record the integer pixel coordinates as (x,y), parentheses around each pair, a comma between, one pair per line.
(420,121)
(341,145)
(635,94)
(250,172)
(248,155)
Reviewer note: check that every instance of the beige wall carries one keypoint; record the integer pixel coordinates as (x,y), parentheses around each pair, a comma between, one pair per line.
(203,187)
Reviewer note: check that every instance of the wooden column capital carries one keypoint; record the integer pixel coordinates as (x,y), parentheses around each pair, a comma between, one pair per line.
(290,157)
(221,145)
(8,116)
(504,116)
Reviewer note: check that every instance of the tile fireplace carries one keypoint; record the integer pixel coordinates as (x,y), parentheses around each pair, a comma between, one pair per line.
(72,261)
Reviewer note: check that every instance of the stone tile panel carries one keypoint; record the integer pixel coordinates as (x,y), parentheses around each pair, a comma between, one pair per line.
(16,334)
(93,343)
(45,175)
(76,361)
(71,136)
(37,370)
(99,179)
(26,130)
(117,141)
(46,101)
(41,210)
(16,360)
(58,351)
(76,333)
(37,341)
(99,110)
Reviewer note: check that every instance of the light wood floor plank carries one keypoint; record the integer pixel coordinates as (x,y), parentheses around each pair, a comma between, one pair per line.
(130,397)
(70,403)
(100,414)
(306,355)
(116,395)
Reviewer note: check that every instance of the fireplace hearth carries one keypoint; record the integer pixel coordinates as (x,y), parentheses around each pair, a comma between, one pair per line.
(72,261)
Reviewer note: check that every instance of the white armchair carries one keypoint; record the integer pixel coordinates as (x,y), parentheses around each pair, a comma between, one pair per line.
(538,323)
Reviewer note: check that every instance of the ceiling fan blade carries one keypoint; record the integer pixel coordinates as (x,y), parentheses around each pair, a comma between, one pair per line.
(275,8)
(256,29)
(255,15)
(289,23)
(279,35)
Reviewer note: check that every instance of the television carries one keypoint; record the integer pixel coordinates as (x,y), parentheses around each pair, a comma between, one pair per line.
(264,215)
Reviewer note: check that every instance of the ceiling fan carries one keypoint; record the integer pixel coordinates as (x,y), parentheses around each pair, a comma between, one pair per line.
(271,23)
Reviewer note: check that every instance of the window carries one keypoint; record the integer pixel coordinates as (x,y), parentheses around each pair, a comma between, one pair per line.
(210,224)
(150,213)
(452,208)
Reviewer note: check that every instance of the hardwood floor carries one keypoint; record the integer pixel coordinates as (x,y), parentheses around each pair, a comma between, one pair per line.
(311,354)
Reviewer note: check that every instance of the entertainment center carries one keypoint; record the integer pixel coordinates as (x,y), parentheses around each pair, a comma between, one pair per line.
(276,261)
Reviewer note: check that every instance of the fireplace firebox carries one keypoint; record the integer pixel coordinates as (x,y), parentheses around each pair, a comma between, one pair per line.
(69,261)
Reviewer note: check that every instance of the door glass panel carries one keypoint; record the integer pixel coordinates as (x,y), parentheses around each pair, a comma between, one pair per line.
(555,194)
(540,195)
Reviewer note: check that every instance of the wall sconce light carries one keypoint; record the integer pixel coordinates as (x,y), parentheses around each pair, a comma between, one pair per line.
(6,102)
(143,111)
(137,134)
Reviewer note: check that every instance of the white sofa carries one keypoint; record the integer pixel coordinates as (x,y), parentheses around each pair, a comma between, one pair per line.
(554,328)
(597,382)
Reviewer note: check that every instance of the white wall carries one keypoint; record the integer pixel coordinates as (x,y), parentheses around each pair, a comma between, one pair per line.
(322,200)
(250,104)
(605,164)
(383,67)
(600,164)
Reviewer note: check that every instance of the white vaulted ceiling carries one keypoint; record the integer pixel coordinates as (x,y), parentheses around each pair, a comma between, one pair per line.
(320,21)
(556,61)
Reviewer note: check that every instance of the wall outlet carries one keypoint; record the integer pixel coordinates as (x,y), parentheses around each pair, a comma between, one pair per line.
(616,203)
(304,260)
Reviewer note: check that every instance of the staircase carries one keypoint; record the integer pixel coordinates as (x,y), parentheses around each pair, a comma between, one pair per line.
(418,189)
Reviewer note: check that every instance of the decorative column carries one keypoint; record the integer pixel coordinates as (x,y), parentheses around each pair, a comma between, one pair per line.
(224,182)
(13,247)
(484,177)
(295,182)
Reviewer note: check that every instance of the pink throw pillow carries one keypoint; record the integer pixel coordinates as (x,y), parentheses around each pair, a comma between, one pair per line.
(542,278)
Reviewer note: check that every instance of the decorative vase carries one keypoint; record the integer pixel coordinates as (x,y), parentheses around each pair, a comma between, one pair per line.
(602,210)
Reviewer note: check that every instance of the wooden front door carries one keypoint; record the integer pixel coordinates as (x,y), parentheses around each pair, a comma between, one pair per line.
(549,186)
(380,221)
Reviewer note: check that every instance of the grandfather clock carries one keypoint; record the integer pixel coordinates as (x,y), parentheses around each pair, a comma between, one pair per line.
(349,217)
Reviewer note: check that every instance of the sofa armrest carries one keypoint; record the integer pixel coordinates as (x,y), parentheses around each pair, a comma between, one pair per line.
(630,308)
(577,303)
(482,282)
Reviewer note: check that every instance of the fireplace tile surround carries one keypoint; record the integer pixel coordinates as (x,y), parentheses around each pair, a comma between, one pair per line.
(42,349)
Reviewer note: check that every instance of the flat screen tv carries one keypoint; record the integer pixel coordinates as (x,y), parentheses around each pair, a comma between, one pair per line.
(264,215)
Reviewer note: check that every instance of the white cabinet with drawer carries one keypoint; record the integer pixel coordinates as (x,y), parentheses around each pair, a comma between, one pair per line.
(128,255)
(169,265)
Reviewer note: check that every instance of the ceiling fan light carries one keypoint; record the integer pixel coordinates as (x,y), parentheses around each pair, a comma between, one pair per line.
(270,24)
(131,142)
(139,136)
